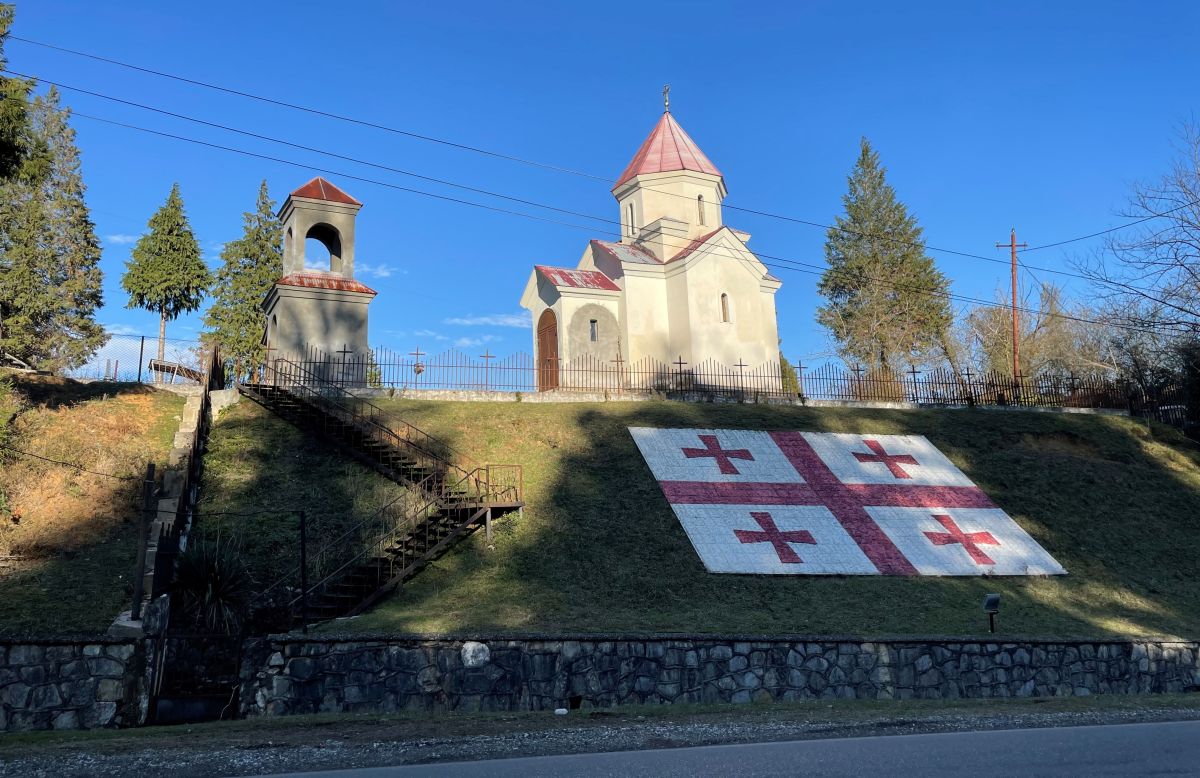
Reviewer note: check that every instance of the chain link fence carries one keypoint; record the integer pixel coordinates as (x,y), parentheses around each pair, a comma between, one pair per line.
(134,358)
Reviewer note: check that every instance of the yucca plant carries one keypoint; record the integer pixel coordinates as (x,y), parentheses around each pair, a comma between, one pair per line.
(213,588)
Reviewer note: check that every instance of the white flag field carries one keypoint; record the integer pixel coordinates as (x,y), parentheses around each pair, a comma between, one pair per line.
(814,503)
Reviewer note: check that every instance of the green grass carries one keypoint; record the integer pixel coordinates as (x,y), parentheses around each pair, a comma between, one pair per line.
(599,550)
(68,538)
(260,465)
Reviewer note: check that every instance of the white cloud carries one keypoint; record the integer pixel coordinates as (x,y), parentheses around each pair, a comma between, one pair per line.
(121,240)
(430,334)
(378,271)
(470,342)
(494,320)
(121,329)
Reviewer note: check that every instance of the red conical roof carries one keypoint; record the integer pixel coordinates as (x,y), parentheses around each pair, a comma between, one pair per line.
(320,189)
(668,148)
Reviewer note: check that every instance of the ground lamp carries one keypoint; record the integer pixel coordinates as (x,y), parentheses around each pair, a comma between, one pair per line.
(991,606)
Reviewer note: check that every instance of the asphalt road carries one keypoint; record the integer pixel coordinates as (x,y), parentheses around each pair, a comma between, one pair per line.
(1170,748)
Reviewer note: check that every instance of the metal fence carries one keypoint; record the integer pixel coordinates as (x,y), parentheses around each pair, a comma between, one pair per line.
(134,358)
(948,387)
(520,372)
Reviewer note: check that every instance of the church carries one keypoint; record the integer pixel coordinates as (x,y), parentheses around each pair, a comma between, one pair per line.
(680,288)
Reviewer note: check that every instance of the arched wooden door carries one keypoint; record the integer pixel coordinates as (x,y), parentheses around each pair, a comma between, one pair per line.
(547,351)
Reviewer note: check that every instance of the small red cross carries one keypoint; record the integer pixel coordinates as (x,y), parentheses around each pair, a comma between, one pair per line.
(969,540)
(780,540)
(893,461)
(713,449)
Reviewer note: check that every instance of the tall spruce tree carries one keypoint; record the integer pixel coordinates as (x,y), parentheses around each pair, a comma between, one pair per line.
(14,94)
(76,276)
(165,273)
(250,266)
(886,301)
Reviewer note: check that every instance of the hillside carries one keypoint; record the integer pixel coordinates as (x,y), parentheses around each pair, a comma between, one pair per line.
(68,536)
(599,550)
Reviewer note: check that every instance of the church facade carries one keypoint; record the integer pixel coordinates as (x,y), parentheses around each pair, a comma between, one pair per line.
(681,288)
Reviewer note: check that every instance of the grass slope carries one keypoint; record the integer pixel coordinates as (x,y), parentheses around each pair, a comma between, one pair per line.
(599,550)
(67,537)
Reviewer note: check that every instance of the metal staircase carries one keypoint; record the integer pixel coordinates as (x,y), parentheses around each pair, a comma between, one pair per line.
(448,498)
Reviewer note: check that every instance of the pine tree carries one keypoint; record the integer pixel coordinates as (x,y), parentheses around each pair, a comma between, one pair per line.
(77,278)
(14,95)
(886,301)
(27,299)
(250,266)
(165,273)
(47,239)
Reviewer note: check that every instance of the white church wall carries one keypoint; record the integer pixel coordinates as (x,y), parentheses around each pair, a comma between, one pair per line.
(750,334)
(647,327)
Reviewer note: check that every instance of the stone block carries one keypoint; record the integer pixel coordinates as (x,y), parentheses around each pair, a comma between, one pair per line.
(26,655)
(105,666)
(15,695)
(109,690)
(67,719)
(99,714)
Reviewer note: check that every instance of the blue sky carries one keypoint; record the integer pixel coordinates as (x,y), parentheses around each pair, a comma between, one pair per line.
(988,116)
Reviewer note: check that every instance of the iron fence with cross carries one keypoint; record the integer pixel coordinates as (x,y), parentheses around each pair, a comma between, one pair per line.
(455,369)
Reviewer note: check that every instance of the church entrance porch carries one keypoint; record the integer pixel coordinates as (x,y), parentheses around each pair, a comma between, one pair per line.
(547,351)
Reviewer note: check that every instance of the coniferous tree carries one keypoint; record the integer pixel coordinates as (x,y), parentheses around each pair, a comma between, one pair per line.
(14,95)
(250,266)
(165,273)
(76,276)
(886,301)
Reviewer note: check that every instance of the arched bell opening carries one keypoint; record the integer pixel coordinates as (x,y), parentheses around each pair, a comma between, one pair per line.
(325,241)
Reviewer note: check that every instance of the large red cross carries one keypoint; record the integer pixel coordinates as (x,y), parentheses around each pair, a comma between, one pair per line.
(893,461)
(847,502)
(971,541)
(779,540)
(713,449)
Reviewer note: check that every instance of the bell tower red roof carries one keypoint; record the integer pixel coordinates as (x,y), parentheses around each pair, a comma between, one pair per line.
(320,189)
(668,148)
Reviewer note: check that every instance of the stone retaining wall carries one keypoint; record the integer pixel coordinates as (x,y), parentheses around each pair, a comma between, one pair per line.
(71,685)
(284,675)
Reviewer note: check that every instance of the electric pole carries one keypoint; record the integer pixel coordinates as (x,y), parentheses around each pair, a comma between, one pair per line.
(1013,245)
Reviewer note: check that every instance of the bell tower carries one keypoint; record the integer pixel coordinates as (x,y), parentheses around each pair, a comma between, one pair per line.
(321,308)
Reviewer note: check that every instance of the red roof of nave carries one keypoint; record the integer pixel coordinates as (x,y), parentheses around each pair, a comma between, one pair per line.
(320,189)
(667,148)
(577,279)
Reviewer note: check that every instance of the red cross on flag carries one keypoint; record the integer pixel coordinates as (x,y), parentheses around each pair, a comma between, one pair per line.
(810,503)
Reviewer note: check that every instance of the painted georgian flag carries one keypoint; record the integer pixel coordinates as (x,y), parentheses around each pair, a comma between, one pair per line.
(811,503)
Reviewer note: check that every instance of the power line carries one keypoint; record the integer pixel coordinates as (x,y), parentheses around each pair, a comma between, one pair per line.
(794,265)
(465,187)
(80,468)
(521,160)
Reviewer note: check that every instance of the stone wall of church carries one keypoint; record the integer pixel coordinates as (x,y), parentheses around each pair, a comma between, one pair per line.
(289,675)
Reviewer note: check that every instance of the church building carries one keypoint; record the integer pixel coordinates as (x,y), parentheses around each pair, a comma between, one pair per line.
(679,287)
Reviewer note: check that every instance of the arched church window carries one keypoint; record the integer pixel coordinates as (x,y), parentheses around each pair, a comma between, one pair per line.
(724,307)
(700,209)
(631,220)
(593,331)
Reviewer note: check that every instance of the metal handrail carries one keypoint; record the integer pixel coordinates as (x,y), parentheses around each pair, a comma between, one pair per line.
(408,522)
(360,401)
(484,485)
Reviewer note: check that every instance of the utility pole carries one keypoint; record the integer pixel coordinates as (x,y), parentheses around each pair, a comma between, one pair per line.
(1013,245)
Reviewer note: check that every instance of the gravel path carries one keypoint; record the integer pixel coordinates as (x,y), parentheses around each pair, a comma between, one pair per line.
(333,745)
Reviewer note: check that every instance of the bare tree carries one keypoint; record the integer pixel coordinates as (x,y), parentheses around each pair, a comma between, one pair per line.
(1150,273)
